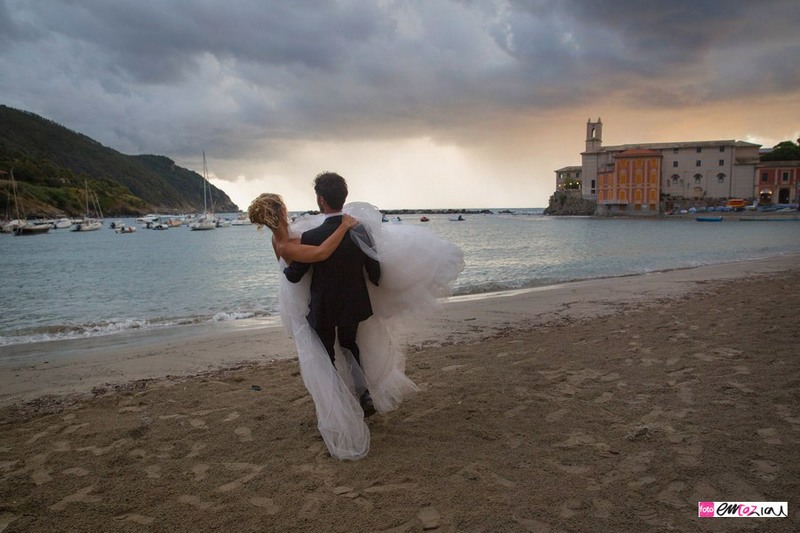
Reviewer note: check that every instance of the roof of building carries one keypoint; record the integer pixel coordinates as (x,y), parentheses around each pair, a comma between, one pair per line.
(639,152)
(570,169)
(673,145)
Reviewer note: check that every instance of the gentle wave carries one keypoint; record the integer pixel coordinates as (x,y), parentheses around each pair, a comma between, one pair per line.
(102,329)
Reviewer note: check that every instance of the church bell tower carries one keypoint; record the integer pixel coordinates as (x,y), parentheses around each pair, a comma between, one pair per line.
(594,135)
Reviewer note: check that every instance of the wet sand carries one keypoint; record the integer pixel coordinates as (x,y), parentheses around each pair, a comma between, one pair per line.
(604,405)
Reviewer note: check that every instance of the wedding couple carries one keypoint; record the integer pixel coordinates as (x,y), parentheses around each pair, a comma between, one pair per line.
(408,268)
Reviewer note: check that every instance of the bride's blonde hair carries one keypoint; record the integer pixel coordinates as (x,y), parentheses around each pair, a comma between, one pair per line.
(267,210)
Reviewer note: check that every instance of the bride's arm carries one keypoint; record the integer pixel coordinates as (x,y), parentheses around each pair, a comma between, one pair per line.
(306,253)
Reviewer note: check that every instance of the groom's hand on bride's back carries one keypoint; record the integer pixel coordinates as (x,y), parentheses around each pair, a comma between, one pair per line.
(295,271)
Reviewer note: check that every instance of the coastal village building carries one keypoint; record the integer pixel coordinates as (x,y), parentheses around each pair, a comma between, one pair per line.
(778,182)
(644,178)
(568,178)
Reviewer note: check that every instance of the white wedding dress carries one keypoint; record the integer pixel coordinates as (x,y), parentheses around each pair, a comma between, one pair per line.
(417,268)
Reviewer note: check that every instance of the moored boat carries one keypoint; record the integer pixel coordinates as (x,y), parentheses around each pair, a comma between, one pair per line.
(206,221)
(708,219)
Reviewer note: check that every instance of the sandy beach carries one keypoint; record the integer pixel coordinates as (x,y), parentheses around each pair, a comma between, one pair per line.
(605,405)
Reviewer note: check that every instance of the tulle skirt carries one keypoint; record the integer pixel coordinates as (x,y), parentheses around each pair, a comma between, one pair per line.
(417,268)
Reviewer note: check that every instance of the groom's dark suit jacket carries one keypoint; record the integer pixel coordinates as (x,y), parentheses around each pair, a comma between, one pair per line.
(339,294)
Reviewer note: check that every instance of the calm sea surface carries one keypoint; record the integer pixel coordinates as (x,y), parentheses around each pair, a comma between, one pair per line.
(67,285)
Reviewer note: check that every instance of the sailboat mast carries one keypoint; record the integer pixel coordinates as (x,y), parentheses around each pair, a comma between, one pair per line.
(16,194)
(205,180)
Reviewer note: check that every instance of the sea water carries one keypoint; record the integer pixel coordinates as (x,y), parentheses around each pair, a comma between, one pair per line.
(70,285)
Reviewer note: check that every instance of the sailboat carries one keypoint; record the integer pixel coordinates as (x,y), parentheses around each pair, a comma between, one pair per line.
(88,223)
(21,225)
(205,222)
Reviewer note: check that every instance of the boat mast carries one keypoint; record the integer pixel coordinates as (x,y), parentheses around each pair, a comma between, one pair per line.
(205,179)
(16,196)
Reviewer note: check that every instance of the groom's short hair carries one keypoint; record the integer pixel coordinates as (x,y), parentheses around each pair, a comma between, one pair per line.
(332,187)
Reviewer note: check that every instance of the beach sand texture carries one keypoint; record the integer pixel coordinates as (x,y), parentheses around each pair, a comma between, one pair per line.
(614,405)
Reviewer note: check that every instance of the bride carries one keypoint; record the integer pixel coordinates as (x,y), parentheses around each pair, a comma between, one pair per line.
(417,268)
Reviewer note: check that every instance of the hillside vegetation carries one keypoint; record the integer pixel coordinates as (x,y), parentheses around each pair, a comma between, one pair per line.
(52,166)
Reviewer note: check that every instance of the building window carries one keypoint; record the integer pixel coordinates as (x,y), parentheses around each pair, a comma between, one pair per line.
(674,164)
(721,148)
(675,179)
(674,150)
(785,177)
(698,178)
(698,163)
(764,177)
(699,150)
(722,162)
(720,178)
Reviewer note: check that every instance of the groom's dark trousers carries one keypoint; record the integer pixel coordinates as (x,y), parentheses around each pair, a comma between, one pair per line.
(339,296)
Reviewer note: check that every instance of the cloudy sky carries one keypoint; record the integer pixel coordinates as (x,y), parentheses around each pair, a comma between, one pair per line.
(418,103)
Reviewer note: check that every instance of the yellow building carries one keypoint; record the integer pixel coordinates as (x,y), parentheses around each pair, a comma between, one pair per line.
(631,184)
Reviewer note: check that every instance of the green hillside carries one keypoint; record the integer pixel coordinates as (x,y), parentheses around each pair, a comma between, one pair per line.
(52,164)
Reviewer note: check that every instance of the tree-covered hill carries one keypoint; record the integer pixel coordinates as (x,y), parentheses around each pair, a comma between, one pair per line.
(52,166)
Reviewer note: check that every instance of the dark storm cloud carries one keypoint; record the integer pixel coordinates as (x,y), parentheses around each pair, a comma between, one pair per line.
(169,76)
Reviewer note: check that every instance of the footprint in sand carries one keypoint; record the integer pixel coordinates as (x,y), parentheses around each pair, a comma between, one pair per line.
(77,472)
(101,451)
(197,503)
(390,487)
(136,519)
(266,504)
(766,470)
(36,437)
(244,434)
(430,518)
(231,417)
(171,417)
(197,423)
(196,448)
(6,518)
(81,496)
(153,471)
(41,476)
(689,455)
(311,506)
(255,470)
(770,435)
(671,494)
(72,429)
(556,415)
(482,473)
(199,472)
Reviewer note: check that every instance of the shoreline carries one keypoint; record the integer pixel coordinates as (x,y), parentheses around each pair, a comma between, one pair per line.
(78,366)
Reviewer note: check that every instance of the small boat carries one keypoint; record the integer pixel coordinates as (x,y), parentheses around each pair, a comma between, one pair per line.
(708,219)
(21,226)
(61,223)
(457,219)
(423,218)
(242,220)
(88,223)
(121,227)
(32,228)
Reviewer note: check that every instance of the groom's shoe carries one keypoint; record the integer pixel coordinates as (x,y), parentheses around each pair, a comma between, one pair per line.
(366,404)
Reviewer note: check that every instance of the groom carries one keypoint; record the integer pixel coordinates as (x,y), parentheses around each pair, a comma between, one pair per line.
(339,296)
